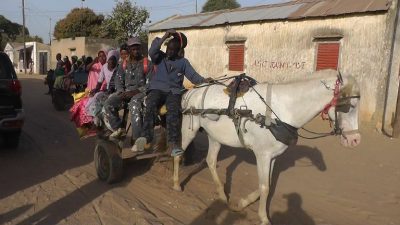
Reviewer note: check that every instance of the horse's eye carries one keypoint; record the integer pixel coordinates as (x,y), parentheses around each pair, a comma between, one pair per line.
(345,108)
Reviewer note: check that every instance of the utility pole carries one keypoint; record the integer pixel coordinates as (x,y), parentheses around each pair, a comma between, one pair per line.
(196,6)
(82,34)
(50,30)
(23,32)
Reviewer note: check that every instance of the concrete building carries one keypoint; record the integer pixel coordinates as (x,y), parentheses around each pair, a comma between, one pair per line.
(80,46)
(37,53)
(288,41)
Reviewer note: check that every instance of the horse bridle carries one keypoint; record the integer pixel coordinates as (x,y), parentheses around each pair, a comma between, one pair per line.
(341,104)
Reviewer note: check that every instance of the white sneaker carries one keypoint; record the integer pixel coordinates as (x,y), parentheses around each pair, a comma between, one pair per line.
(139,145)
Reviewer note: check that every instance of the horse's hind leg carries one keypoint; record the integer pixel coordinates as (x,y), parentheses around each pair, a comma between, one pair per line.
(190,126)
(263,169)
(213,150)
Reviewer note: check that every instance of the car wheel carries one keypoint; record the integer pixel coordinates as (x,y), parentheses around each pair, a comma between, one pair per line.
(12,139)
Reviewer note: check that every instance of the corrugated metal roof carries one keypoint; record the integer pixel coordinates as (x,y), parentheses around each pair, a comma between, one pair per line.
(319,8)
(254,14)
(284,11)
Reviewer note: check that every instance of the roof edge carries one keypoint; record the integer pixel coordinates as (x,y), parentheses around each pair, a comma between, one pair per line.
(272,20)
(166,19)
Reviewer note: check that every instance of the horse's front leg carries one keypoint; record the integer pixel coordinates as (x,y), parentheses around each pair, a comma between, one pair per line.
(252,197)
(213,150)
(244,202)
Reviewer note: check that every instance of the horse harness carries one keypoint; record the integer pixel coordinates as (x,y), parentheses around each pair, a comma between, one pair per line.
(341,104)
(282,131)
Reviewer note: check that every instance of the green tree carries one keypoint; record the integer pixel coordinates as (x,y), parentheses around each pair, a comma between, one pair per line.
(214,5)
(10,31)
(126,20)
(80,22)
(36,38)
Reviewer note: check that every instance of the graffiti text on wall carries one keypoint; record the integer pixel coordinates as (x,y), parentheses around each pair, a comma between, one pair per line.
(278,65)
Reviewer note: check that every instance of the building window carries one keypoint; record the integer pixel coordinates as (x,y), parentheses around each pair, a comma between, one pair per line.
(236,56)
(327,56)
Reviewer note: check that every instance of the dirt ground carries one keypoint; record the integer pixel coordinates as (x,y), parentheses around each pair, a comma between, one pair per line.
(50,179)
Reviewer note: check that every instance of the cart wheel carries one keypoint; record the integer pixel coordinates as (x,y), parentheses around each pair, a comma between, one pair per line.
(108,162)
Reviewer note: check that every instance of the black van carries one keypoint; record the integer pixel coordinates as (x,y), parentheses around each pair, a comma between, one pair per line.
(11,112)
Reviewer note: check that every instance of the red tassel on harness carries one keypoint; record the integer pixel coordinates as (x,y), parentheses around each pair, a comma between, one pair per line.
(333,102)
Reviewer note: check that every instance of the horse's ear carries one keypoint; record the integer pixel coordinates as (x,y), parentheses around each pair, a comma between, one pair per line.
(340,77)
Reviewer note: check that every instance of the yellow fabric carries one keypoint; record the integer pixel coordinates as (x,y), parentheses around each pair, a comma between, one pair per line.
(81,131)
(85,132)
(78,96)
(163,110)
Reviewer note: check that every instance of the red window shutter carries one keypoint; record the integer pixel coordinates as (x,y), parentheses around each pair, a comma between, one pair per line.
(236,57)
(328,56)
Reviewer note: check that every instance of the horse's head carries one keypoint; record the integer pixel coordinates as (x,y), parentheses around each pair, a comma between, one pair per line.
(345,113)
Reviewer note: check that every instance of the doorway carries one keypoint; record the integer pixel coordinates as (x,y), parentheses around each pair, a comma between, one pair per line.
(43,57)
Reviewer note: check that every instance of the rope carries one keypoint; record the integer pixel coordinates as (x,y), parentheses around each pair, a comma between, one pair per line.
(312,132)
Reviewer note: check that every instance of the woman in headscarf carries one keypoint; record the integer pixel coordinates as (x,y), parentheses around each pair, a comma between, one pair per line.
(99,71)
(94,69)
(67,65)
(107,71)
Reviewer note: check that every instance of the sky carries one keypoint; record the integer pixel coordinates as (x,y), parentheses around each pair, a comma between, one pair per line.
(41,15)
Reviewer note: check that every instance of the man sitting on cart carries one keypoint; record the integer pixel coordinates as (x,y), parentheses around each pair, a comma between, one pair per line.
(130,81)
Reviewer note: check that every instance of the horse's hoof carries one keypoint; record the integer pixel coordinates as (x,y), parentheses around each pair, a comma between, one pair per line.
(265,222)
(177,188)
(223,199)
(234,207)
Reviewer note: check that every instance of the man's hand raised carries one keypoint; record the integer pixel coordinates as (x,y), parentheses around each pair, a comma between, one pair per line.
(169,33)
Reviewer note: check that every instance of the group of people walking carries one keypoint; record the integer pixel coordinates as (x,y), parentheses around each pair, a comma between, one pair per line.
(126,76)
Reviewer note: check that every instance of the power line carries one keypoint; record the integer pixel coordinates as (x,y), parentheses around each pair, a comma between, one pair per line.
(163,6)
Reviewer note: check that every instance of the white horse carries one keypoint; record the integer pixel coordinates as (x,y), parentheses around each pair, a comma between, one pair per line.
(294,103)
